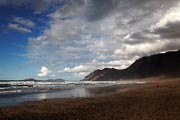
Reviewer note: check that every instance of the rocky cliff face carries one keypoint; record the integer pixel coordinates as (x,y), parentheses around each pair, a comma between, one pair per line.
(167,64)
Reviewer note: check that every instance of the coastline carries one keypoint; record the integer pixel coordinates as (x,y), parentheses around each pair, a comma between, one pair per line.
(139,102)
(84,89)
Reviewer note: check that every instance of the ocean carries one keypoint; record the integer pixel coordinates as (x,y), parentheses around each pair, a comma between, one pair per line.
(15,92)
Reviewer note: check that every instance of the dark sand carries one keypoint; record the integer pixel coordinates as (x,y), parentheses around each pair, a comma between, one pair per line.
(146,102)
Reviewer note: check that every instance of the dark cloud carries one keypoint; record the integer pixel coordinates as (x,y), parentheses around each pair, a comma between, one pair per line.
(98,9)
(37,5)
(139,37)
(170,30)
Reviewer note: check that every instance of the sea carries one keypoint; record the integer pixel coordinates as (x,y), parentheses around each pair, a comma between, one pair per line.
(13,92)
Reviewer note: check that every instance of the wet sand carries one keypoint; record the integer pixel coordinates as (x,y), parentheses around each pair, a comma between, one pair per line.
(145,102)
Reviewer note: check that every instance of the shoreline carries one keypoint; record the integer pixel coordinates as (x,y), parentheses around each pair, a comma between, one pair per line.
(138,102)
(8,100)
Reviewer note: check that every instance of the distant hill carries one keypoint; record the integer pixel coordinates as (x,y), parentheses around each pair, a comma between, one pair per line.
(56,80)
(165,64)
(49,80)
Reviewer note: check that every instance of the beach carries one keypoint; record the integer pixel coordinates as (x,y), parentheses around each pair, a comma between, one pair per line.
(145,102)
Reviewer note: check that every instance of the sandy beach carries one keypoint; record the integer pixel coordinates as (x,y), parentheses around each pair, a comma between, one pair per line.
(147,102)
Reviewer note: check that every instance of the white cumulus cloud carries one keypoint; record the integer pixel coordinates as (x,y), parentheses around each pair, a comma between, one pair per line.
(44,72)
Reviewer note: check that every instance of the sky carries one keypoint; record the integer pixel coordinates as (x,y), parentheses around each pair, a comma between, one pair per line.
(68,39)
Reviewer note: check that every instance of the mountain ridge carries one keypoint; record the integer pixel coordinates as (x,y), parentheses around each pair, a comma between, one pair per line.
(162,64)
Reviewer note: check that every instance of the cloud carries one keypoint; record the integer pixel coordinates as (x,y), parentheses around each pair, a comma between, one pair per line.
(139,37)
(61,30)
(24,22)
(172,15)
(71,9)
(170,30)
(80,68)
(113,33)
(159,37)
(168,26)
(98,9)
(53,75)
(37,5)
(19,28)
(44,72)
